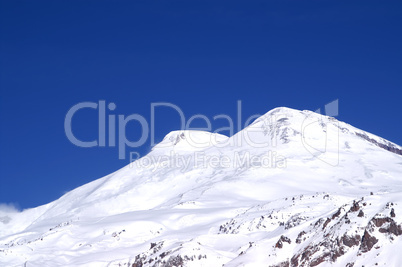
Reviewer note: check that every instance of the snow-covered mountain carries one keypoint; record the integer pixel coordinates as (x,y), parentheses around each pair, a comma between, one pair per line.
(295,188)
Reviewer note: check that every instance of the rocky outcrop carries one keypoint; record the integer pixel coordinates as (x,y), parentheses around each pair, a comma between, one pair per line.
(351,229)
(282,239)
(367,242)
(385,144)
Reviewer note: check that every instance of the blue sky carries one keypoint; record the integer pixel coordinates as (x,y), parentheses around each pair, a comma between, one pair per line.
(203,56)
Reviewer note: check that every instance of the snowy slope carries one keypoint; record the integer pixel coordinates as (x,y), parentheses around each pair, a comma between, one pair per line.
(295,188)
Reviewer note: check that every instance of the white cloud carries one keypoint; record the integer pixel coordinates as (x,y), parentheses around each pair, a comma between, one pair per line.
(9,207)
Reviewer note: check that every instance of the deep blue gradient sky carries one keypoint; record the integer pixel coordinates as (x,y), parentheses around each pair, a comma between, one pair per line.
(200,55)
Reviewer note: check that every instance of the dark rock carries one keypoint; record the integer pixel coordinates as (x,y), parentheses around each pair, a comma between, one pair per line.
(295,260)
(350,241)
(367,242)
(164,254)
(294,221)
(355,206)
(282,239)
(392,228)
(285,239)
(319,260)
(392,213)
(174,262)
(386,145)
(336,214)
(326,223)
(282,264)
(299,237)
(380,221)
(279,244)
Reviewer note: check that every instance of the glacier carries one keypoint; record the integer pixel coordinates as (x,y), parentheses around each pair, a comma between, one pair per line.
(331,195)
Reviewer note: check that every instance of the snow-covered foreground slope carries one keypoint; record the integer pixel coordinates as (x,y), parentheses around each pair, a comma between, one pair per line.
(295,188)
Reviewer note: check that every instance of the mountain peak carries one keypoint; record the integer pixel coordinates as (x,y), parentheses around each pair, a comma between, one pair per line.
(190,140)
(231,205)
(282,110)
